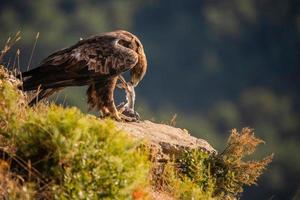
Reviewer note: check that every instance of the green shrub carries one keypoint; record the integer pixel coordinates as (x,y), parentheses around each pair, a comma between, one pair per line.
(198,175)
(74,155)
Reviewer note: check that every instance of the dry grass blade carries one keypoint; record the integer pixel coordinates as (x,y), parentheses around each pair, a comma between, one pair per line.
(9,44)
(173,120)
(24,165)
(32,51)
(241,144)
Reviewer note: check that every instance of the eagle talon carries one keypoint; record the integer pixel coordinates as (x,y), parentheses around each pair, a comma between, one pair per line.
(128,119)
(131,113)
(120,117)
(128,112)
(114,115)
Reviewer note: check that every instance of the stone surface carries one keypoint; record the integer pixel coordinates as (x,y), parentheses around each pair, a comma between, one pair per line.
(166,140)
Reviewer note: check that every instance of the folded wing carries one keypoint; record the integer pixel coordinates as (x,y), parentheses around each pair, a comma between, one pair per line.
(91,60)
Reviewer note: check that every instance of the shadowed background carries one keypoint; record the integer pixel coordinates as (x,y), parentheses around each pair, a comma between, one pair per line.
(217,64)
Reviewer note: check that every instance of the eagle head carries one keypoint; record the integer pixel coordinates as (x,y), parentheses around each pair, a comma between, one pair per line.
(138,72)
(131,41)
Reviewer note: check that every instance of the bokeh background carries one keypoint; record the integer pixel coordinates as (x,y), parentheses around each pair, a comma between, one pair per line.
(217,64)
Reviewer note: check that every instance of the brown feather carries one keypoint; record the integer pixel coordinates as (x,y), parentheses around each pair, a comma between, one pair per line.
(95,61)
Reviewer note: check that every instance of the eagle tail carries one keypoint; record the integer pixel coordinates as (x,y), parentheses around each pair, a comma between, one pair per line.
(33,78)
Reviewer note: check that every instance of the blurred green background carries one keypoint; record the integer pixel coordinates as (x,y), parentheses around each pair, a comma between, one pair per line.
(217,64)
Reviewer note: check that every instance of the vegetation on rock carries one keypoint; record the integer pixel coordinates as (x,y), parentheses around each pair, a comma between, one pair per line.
(217,64)
(51,152)
(197,175)
(64,153)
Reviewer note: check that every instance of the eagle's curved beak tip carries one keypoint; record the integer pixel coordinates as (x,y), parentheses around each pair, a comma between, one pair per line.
(134,81)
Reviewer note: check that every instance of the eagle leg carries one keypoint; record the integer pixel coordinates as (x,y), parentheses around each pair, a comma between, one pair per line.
(118,116)
(112,112)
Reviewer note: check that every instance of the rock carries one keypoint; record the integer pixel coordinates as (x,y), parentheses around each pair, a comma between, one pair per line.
(165,140)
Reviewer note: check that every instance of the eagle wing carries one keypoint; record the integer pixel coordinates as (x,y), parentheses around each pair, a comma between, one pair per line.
(88,61)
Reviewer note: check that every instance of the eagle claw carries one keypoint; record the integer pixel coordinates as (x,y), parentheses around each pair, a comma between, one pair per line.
(128,114)
(128,119)
(131,113)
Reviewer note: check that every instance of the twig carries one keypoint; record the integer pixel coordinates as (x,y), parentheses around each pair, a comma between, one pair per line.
(15,60)
(9,43)
(8,63)
(64,100)
(24,165)
(173,120)
(32,51)
(56,98)
(38,93)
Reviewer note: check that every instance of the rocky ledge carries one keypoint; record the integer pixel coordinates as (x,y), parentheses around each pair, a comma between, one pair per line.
(165,140)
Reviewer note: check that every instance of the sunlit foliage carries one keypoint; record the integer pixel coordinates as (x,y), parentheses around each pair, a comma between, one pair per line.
(65,153)
(197,175)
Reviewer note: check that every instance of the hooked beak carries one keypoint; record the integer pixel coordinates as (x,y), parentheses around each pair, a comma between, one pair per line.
(134,80)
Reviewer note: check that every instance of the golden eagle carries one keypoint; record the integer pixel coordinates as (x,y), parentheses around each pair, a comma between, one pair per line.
(97,61)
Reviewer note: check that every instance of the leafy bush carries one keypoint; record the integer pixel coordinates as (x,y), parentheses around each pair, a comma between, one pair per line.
(198,175)
(62,150)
